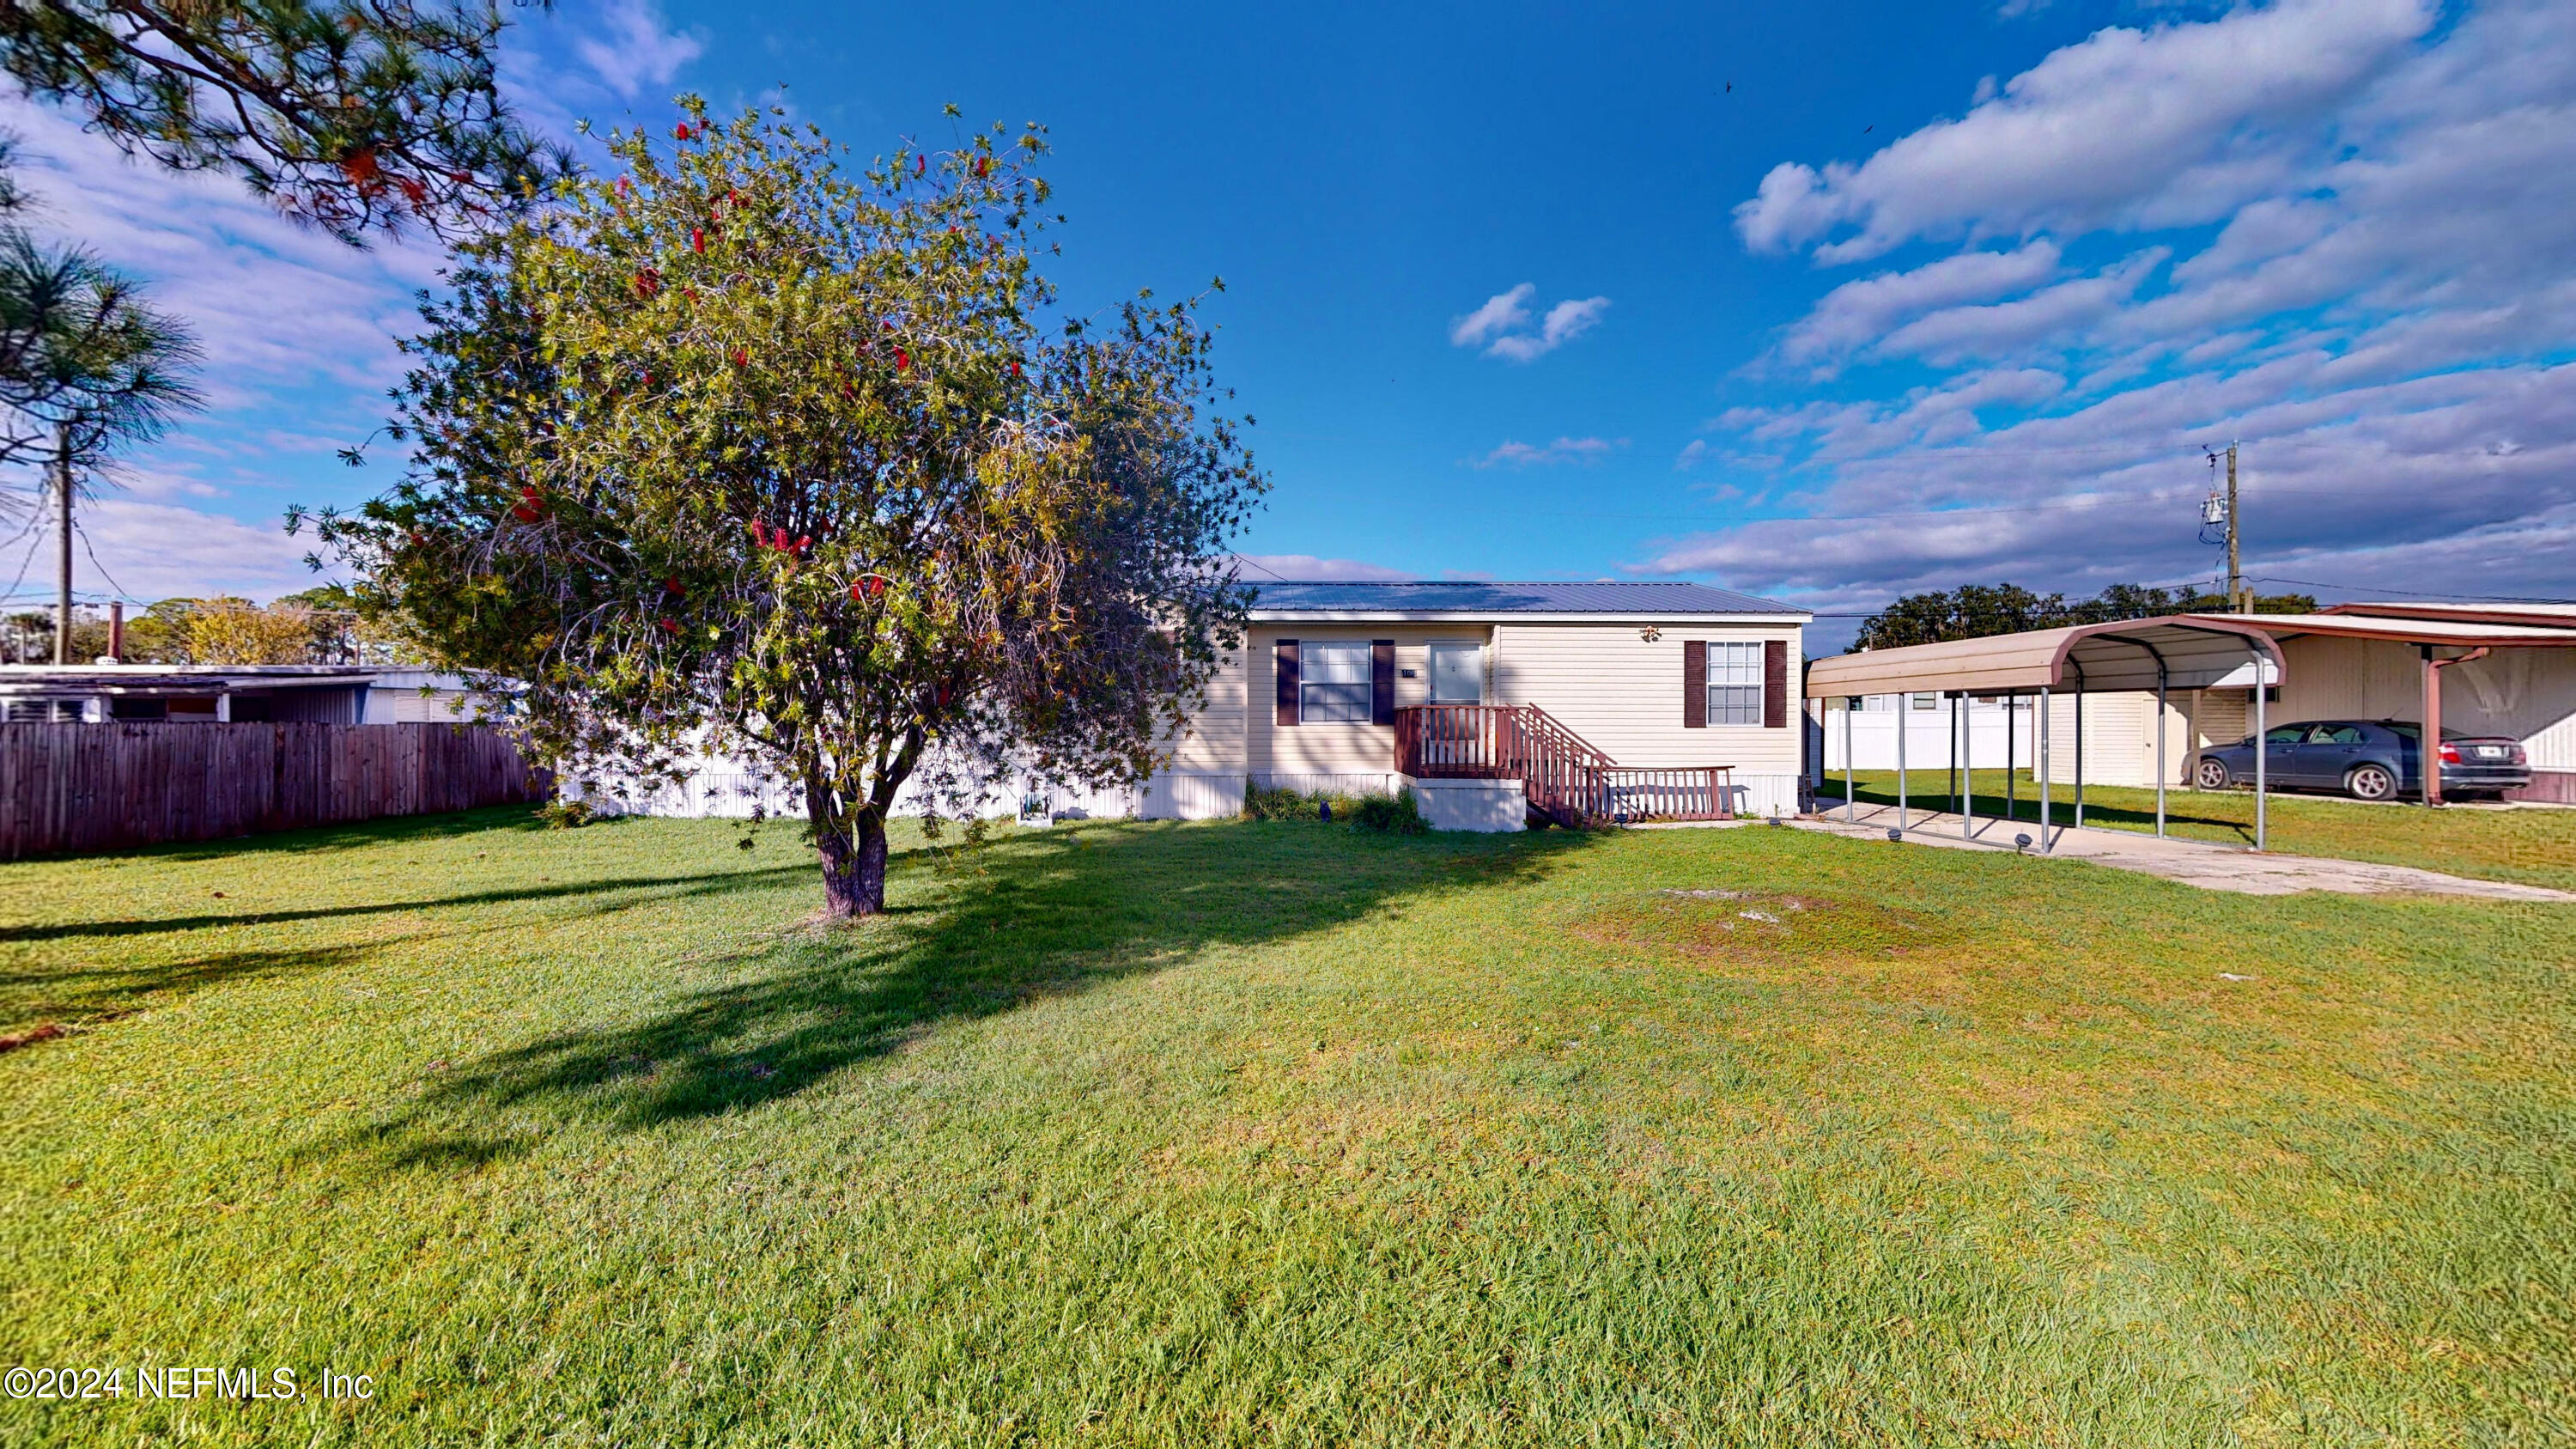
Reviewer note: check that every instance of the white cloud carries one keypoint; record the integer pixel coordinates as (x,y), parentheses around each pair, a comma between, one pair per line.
(155,550)
(2368,275)
(1858,314)
(1306,567)
(1563,450)
(633,49)
(2156,127)
(1502,326)
(1502,312)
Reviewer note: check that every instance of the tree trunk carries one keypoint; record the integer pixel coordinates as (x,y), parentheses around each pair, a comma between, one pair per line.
(854,864)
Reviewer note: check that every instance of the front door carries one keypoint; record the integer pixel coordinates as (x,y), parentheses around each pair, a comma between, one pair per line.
(1457,674)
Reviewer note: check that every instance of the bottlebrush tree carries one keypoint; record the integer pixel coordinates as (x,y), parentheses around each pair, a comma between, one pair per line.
(749,451)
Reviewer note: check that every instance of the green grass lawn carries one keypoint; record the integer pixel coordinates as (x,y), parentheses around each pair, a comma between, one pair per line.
(2534,846)
(1277,1133)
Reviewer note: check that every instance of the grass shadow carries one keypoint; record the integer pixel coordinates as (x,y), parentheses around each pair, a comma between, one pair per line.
(660,886)
(104,993)
(1025,920)
(2182,807)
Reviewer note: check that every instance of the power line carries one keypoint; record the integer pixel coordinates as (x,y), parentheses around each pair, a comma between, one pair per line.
(94,563)
(2434,593)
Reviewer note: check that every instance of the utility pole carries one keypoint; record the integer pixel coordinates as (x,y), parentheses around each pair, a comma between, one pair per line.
(63,514)
(2236,596)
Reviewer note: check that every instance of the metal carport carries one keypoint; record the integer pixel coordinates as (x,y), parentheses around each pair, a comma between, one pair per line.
(2177,651)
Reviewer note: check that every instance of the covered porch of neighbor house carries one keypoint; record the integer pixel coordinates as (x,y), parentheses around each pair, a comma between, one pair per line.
(2055,668)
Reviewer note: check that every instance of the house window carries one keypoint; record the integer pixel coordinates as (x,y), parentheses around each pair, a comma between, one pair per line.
(1333,683)
(1735,684)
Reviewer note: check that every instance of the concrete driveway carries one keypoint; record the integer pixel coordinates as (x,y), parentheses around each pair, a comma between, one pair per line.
(2193,862)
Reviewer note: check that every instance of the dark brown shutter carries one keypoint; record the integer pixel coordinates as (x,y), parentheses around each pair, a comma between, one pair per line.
(1287,656)
(1694,685)
(1382,681)
(1775,683)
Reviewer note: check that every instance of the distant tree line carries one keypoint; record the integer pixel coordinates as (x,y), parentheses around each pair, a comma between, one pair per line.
(1977,611)
(317,626)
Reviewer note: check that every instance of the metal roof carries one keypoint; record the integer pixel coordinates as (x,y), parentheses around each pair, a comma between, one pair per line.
(1295,599)
(2196,651)
(2549,616)
(177,679)
(2460,633)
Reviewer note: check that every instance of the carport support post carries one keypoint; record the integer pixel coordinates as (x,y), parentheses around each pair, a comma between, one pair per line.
(2160,747)
(2012,786)
(2047,842)
(2428,750)
(2080,692)
(2262,754)
(1904,719)
(1964,758)
(1851,798)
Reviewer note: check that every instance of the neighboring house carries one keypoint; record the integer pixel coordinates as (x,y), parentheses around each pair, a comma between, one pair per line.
(2505,669)
(239,693)
(1335,688)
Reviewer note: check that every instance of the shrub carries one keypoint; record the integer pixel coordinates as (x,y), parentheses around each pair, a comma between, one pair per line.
(1395,814)
(1392,814)
(562,814)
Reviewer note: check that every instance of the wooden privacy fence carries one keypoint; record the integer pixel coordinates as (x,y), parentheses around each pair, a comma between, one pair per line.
(86,787)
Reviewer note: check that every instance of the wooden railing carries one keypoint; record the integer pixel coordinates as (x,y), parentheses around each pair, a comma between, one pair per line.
(1692,792)
(1563,775)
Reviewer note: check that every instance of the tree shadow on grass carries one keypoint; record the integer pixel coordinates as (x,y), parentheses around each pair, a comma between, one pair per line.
(92,992)
(1024,921)
(92,995)
(678,885)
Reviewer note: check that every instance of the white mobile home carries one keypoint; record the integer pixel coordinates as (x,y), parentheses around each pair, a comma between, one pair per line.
(1669,688)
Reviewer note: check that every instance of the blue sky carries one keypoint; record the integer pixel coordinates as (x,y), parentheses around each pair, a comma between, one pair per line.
(1933,294)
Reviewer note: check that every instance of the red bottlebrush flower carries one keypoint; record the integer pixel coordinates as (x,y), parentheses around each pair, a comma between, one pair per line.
(680,132)
(672,587)
(648,379)
(697,239)
(648,281)
(902,359)
(625,187)
(921,165)
(804,543)
(983,165)
(741,358)
(1015,367)
(525,514)
(759,532)
(668,627)
(732,196)
(360,165)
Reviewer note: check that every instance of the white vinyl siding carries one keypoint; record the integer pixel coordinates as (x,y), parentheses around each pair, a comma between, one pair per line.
(1333,683)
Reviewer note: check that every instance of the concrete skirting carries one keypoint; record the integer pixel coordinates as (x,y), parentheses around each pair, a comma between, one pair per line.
(1488,807)
(2547,787)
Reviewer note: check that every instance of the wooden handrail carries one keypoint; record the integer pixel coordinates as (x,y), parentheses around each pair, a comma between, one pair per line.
(1564,775)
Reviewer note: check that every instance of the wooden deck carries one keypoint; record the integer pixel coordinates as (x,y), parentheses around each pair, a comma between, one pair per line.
(1567,780)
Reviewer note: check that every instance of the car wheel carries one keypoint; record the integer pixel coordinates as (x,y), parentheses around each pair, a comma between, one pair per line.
(2210,775)
(2370,782)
